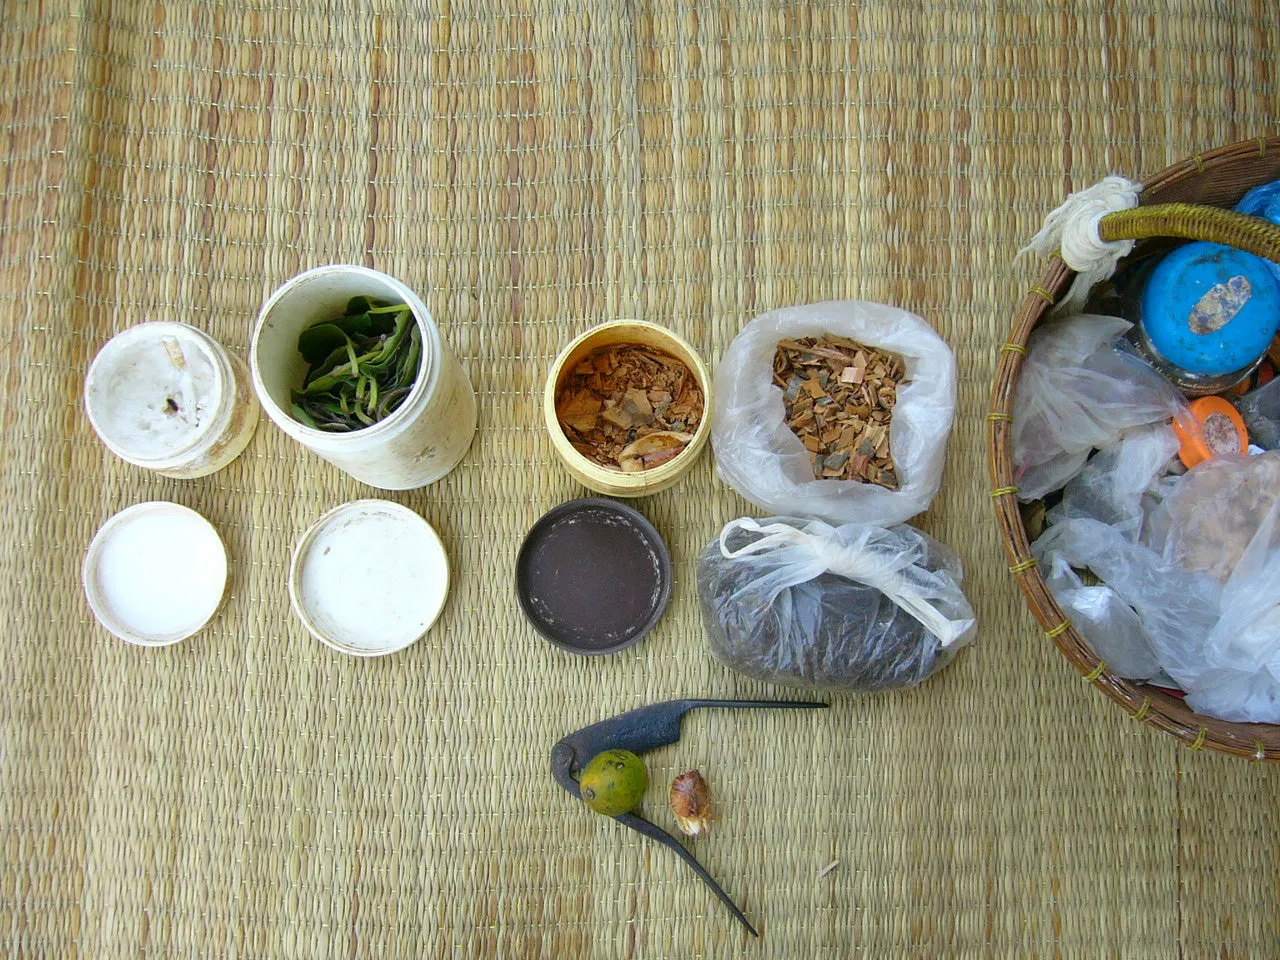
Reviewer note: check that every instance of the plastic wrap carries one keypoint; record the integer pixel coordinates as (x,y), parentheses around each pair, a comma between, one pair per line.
(1177,608)
(1112,628)
(1213,514)
(759,456)
(1198,603)
(1120,484)
(1260,410)
(1081,387)
(1239,678)
(855,607)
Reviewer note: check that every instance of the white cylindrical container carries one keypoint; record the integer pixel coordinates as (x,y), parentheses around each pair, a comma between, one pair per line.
(168,397)
(426,436)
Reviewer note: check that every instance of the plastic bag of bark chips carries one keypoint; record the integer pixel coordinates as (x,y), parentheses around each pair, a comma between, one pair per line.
(838,410)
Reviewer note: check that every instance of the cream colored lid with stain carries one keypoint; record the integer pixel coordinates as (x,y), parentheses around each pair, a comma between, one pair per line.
(369,578)
(155,573)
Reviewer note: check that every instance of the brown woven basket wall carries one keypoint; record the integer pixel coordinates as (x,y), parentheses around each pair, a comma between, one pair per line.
(1219,178)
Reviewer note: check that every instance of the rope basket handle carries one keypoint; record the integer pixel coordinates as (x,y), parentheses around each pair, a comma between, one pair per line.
(1189,221)
(1096,227)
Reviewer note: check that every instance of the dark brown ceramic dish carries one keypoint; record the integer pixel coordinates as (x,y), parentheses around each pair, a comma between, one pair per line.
(593,576)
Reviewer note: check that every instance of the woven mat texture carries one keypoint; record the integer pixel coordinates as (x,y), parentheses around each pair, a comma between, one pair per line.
(533,167)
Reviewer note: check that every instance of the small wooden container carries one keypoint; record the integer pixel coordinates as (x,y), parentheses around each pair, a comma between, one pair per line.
(614,482)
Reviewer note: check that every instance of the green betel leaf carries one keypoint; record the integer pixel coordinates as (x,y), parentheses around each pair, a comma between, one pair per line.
(362,366)
(300,414)
(318,342)
(410,359)
(328,365)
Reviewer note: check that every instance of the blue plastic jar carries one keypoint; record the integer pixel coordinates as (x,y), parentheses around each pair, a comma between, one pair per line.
(1207,314)
(1264,202)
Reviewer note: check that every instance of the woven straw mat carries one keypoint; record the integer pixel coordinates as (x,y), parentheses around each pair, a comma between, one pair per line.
(533,167)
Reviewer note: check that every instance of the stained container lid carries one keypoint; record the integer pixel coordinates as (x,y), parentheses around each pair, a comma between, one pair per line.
(1211,309)
(593,576)
(154,391)
(369,578)
(155,573)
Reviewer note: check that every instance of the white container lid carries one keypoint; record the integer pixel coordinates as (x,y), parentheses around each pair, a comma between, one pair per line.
(369,578)
(155,573)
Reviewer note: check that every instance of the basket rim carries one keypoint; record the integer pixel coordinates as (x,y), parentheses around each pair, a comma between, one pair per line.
(1151,705)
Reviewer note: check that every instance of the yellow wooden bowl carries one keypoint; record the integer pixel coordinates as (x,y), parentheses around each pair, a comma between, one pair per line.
(614,482)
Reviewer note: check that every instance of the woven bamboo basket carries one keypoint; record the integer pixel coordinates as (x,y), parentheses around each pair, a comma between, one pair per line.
(1185,201)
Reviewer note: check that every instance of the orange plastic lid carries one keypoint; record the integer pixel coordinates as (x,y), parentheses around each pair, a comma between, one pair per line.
(1219,431)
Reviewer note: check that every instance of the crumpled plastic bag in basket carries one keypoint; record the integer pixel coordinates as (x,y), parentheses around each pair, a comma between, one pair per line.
(856,607)
(1205,590)
(1120,485)
(1222,521)
(759,456)
(1214,513)
(1177,608)
(1116,488)
(1237,675)
(1080,388)
(1112,627)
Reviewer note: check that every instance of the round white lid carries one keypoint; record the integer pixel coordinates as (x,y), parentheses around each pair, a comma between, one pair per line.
(369,578)
(155,573)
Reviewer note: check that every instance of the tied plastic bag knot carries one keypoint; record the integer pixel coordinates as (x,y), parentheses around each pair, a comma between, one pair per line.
(855,607)
(851,561)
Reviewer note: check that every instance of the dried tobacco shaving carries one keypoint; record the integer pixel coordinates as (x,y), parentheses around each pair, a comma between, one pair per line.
(839,397)
(362,365)
(629,407)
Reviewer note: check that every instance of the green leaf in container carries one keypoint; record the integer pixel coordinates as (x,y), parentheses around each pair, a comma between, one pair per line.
(407,367)
(385,357)
(362,366)
(300,414)
(316,343)
(364,325)
(391,401)
(328,365)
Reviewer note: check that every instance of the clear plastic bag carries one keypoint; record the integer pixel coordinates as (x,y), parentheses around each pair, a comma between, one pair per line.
(1239,678)
(1081,387)
(1177,608)
(1213,514)
(1112,627)
(856,607)
(759,456)
(1199,603)
(1260,410)
(1119,486)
